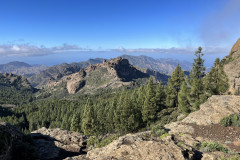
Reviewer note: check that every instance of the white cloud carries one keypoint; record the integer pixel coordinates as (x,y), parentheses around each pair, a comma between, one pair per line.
(24,50)
(187,50)
(31,50)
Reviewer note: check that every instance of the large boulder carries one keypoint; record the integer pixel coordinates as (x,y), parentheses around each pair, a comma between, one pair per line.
(139,147)
(58,143)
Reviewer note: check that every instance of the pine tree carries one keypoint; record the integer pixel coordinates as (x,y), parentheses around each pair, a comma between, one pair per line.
(75,123)
(140,96)
(198,70)
(196,75)
(183,102)
(216,82)
(109,112)
(149,111)
(88,122)
(126,117)
(173,87)
(160,96)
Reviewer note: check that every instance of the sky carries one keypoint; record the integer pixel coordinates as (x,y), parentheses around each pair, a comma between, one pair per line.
(56,31)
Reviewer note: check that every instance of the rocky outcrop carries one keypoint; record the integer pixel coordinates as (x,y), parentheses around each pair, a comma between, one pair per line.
(139,147)
(123,70)
(232,68)
(9,79)
(211,112)
(58,143)
(107,75)
(76,82)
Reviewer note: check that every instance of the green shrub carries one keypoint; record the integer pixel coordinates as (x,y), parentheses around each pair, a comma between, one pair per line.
(158,130)
(226,121)
(236,157)
(164,135)
(100,142)
(180,143)
(213,146)
(232,120)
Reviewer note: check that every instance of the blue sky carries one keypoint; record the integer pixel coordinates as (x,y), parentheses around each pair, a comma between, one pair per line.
(36,30)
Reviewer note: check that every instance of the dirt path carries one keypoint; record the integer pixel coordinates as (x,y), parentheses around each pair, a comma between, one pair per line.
(229,136)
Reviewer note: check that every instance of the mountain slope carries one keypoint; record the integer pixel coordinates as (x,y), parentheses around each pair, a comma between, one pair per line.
(21,68)
(110,74)
(58,71)
(15,89)
(232,68)
(165,66)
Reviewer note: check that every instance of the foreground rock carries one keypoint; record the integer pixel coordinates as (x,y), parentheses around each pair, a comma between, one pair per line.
(58,143)
(211,112)
(8,135)
(138,147)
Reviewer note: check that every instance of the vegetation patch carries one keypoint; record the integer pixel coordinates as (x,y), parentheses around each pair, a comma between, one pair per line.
(99,142)
(231,120)
(158,130)
(4,141)
(164,135)
(213,146)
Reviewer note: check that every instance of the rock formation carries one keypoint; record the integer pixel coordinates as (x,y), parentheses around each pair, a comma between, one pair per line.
(58,143)
(138,147)
(232,68)
(9,79)
(107,75)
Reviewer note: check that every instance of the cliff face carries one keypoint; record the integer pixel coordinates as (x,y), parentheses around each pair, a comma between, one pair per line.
(232,68)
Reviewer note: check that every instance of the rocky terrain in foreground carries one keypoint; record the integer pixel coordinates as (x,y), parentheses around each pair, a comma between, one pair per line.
(181,142)
(182,139)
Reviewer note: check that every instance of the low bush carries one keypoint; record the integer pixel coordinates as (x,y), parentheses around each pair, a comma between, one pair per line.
(213,146)
(158,130)
(99,142)
(232,120)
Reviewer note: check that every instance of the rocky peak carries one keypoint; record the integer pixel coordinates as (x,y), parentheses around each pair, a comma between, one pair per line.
(236,47)
(15,80)
(123,70)
(232,68)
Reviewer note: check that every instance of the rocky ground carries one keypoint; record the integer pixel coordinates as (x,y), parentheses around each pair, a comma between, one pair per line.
(57,144)
(182,141)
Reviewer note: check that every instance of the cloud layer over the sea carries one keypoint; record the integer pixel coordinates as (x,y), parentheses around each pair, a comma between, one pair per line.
(27,50)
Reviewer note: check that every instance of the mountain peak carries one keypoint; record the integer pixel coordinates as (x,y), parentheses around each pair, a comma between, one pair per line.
(19,64)
(235,47)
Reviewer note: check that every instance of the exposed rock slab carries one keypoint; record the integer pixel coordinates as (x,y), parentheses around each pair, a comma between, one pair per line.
(212,111)
(55,143)
(136,147)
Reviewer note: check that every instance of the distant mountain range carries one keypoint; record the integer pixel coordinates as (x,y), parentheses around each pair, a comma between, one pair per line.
(21,68)
(161,65)
(39,75)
